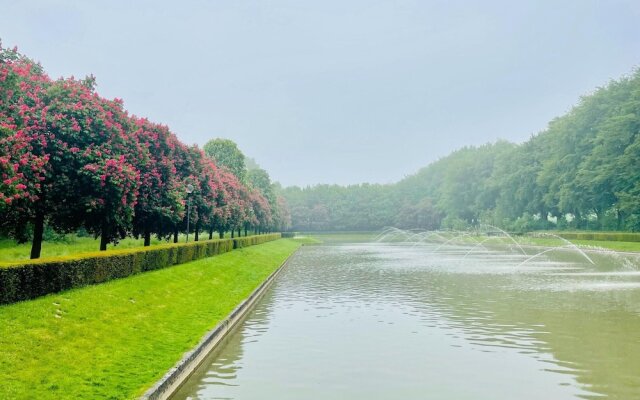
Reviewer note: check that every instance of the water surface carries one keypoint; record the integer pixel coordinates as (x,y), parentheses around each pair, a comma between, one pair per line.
(403,321)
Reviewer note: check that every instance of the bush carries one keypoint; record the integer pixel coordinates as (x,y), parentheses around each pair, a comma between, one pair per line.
(253,240)
(50,235)
(34,278)
(455,223)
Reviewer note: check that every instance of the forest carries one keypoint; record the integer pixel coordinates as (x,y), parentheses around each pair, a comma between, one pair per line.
(581,172)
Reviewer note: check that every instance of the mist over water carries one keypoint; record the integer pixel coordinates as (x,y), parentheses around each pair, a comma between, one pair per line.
(399,320)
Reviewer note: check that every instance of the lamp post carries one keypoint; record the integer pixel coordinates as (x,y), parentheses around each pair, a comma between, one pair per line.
(189,191)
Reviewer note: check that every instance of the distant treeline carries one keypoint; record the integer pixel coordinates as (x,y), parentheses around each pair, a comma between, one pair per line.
(582,172)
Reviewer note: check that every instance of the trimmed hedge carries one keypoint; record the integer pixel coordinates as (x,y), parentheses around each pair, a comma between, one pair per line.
(253,240)
(605,236)
(34,278)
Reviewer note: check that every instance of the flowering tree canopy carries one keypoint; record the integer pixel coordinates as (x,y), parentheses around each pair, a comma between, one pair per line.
(70,158)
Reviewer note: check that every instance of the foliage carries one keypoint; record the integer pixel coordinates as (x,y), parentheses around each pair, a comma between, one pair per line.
(254,240)
(582,172)
(70,159)
(226,154)
(350,208)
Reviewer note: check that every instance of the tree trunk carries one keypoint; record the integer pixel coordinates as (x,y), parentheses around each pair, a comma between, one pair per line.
(620,220)
(245,231)
(147,237)
(239,232)
(175,236)
(221,234)
(232,232)
(579,223)
(196,233)
(103,236)
(210,234)
(38,231)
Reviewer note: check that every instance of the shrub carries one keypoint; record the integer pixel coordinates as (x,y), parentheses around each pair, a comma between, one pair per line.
(34,278)
(607,236)
(253,240)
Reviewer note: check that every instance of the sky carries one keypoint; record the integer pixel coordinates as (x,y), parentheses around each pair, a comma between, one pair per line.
(336,91)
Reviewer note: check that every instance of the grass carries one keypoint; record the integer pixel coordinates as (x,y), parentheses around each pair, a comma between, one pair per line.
(358,237)
(550,242)
(343,237)
(306,240)
(114,340)
(607,244)
(10,250)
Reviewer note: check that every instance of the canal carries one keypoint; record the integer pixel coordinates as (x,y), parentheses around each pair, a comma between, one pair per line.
(406,321)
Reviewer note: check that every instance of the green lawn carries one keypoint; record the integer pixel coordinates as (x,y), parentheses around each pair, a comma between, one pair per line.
(72,244)
(114,340)
(607,244)
(548,242)
(307,240)
(357,237)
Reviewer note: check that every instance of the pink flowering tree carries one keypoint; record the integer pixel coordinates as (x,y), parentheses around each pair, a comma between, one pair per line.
(283,221)
(262,212)
(186,174)
(70,158)
(59,128)
(21,83)
(221,213)
(251,220)
(24,157)
(110,190)
(205,200)
(230,206)
(91,169)
(159,205)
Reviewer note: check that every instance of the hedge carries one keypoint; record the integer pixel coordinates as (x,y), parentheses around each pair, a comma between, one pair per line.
(253,240)
(605,236)
(34,278)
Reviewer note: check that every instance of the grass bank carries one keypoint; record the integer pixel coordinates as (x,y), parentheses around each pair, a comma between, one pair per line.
(342,237)
(550,242)
(358,237)
(114,340)
(587,244)
(71,244)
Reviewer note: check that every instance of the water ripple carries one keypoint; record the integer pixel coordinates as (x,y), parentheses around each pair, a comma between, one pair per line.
(378,321)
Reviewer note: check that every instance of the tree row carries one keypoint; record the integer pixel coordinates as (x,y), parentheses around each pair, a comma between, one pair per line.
(72,159)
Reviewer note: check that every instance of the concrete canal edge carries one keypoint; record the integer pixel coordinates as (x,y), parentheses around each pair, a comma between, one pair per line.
(176,376)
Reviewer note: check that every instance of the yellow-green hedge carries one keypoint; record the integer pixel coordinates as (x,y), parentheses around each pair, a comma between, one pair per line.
(257,239)
(605,236)
(34,278)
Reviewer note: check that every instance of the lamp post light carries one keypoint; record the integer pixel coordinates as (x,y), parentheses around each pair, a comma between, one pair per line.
(189,191)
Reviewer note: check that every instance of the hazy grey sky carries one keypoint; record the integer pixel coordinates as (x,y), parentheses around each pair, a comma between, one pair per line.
(336,91)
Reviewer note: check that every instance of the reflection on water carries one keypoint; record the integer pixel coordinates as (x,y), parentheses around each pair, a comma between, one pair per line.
(394,321)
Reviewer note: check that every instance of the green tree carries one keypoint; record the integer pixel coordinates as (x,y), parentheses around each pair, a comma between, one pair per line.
(225,153)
